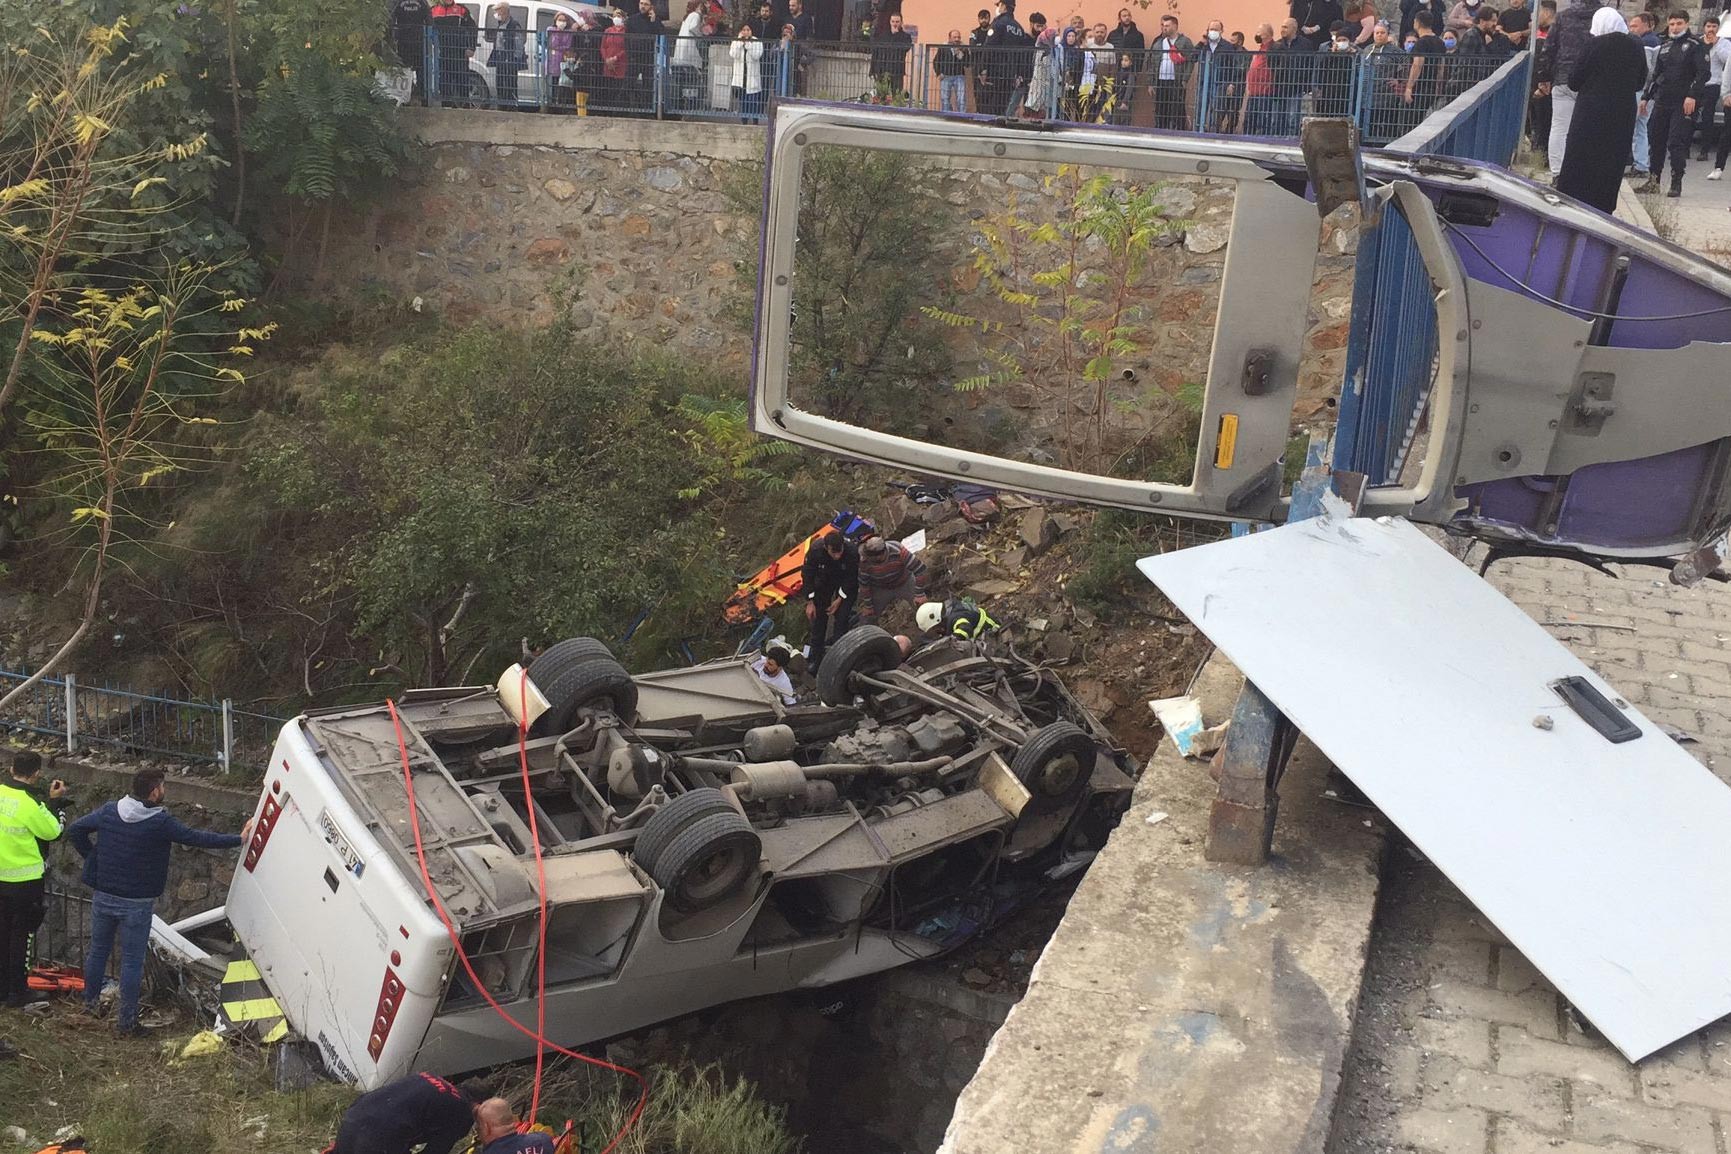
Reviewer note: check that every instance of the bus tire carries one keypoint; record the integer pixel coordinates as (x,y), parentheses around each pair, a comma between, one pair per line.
(1055,763)
(862,649)
(580,682)
(673,816)
(707,861)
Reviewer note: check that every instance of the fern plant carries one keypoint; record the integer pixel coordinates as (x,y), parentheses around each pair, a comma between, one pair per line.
(1070,285)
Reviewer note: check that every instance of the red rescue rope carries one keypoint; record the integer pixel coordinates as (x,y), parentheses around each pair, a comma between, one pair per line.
(537,1035)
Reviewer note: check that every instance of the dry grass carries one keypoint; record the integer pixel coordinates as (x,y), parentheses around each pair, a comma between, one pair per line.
(127,1096)
(132,1097)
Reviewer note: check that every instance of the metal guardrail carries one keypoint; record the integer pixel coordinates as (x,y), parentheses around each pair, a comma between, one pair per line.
(125,719)
(1262,93)
(1392,347)
(1481,121)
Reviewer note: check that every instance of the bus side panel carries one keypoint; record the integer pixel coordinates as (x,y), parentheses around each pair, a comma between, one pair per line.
(345,945)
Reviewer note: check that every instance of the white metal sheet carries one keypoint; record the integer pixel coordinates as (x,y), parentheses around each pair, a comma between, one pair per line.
(1608,865)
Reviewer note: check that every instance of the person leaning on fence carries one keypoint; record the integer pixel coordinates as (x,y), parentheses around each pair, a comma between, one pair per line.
(686,62)
(1037,94)
(560,65)
(1257,114)
(889,59)
(30,818)
(409,37)
(1169,67)
(1223,68)
(1424,76)
(641,29)
(950,65)
(746,53)
(888,573)
(125,846)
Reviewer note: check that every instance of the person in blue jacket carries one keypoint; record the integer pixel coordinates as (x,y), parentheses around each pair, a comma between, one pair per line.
(125,847)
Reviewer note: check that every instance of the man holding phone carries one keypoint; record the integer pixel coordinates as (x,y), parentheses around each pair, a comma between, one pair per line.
(28,822)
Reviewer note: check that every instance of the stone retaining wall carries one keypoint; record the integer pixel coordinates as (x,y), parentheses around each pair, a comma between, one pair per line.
(627,225)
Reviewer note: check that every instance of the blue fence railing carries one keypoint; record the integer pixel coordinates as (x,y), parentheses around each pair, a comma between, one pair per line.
(1233,92)
(1483,122)
(1391,356)
(97,715)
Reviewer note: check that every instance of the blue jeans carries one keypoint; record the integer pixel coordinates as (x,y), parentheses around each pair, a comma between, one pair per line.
(1639,149)
(952,94)
(130,918)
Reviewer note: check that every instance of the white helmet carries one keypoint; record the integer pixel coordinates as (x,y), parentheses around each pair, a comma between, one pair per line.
(929,616)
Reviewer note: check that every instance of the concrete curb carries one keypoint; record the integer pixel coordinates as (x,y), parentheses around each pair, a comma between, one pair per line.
(1186,1005)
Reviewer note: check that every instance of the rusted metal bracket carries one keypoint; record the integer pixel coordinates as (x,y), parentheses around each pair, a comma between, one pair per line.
(1260,739)
(1258,743)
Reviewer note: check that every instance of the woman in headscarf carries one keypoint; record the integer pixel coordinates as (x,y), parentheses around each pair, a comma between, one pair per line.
(1608,79)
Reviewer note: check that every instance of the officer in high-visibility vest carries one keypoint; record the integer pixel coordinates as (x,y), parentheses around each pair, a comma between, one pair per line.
(960,619)
(25,824)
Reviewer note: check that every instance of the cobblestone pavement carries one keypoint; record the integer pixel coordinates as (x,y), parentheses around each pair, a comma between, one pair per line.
(1461,1047)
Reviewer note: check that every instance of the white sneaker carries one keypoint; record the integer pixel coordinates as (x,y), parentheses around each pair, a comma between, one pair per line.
(1716,174)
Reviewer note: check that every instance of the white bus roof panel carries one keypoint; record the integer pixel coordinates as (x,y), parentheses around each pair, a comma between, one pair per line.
(1605,862)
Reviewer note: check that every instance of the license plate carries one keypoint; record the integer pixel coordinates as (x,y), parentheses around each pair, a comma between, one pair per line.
(334,838)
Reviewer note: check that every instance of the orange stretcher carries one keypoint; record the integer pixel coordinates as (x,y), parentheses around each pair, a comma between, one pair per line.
(781,580)
(56,979)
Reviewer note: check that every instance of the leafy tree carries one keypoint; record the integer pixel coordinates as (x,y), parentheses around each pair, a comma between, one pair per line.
(497,487)
(867,223)
(1064,309)
(115,402)
(80,193)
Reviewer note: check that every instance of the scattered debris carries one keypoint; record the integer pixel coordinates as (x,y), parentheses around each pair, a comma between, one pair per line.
(1039,531)
(1588,625)
(1060,647)
(1181,717)
(1158,816)
(974,976)
(1543,721)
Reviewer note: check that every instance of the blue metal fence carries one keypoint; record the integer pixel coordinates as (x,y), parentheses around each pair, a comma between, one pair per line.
(1392,350)
(1264,94)
(124,719)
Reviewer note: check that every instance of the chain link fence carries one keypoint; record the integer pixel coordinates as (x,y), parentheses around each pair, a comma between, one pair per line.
(123,719)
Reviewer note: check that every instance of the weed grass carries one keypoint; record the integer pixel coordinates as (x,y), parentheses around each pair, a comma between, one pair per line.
(133,1096)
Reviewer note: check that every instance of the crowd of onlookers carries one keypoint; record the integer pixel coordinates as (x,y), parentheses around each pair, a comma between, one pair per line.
(1618,97)
(1391,61)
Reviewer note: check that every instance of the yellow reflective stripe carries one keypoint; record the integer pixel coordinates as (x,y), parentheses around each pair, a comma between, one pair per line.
(245,970)
(252,1010)
(23,873)
(277,1033)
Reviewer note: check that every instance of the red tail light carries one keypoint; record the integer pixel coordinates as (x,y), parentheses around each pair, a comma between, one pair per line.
(262,828)
(385,1014)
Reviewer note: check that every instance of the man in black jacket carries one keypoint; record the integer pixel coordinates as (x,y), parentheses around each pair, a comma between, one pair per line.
(1009,58)
(889,59)
(1672,90)
(830,578)
(641,29)
(1223,67)
(412,1111)
(1316,19)
(1128,40)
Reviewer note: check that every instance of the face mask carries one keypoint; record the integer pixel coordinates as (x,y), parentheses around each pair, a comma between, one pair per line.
(1410,45)
(619,22)
(1213,34)
(1448,41)
(1678,33)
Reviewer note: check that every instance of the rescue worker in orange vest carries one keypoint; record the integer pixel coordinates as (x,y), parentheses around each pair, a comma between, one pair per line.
(27,825)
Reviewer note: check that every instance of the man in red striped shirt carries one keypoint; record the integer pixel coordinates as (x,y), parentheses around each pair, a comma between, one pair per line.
(888,572)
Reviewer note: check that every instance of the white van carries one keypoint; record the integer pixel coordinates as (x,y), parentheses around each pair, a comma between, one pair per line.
(536,18)
(701,842)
